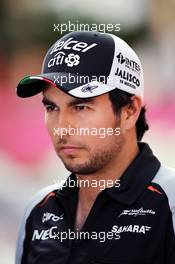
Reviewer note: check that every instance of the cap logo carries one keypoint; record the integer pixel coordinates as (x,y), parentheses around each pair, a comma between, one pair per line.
(130,64)
(127,78)
(120,58)
(70,59)
(88,88)
(72,44)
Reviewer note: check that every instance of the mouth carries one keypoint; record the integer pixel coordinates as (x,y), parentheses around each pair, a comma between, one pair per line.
(69,149)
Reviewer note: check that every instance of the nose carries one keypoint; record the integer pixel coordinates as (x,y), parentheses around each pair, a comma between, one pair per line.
(64,123)
(63,119)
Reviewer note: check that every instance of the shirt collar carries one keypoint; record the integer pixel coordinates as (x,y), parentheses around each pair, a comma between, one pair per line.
(69,187)
(136,177)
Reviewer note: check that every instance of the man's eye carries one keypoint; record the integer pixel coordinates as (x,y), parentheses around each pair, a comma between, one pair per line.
(50,108)
(80,107)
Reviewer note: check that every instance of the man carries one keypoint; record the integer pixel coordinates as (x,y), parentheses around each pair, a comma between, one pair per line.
(93,82)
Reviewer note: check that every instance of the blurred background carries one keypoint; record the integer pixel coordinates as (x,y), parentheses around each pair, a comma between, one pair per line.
(27,159)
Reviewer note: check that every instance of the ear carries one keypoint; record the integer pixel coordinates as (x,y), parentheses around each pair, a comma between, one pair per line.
(130,113)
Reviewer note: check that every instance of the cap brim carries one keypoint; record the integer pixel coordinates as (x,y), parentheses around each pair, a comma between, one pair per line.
(72,85)
(32,85)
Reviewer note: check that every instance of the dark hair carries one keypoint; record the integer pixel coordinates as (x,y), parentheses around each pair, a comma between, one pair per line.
(119,99)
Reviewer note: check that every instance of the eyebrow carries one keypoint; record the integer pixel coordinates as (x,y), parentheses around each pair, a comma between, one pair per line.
(76,101)
(73,102)
(46,101)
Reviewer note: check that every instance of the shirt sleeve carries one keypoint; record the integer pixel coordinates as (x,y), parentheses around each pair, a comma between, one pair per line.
(170,244)
(22,226)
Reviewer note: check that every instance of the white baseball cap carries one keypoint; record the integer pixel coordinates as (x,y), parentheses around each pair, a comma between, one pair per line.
(86,64)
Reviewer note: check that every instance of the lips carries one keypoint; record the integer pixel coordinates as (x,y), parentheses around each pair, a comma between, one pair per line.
(68,148)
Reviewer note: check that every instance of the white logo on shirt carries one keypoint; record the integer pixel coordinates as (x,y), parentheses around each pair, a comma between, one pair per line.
(136,212)
(131,228)
(49,216)
(44,234)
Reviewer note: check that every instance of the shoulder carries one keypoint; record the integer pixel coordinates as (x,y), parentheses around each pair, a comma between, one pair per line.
(37,198)
(165,177)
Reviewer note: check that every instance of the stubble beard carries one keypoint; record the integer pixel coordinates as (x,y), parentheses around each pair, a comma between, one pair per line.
(97,158)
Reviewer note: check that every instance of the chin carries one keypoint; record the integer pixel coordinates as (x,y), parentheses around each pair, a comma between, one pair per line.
(72,163)
(80,168)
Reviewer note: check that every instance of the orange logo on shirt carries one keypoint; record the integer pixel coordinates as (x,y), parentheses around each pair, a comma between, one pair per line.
(46,198)
(151,188)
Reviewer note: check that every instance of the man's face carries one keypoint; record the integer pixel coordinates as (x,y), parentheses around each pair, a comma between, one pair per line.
(82,152)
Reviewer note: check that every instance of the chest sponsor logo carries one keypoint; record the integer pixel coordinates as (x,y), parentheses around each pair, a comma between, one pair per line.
(49,216)
(137,212)
(140,229)
(130,64)
(44,234)
(71,59)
